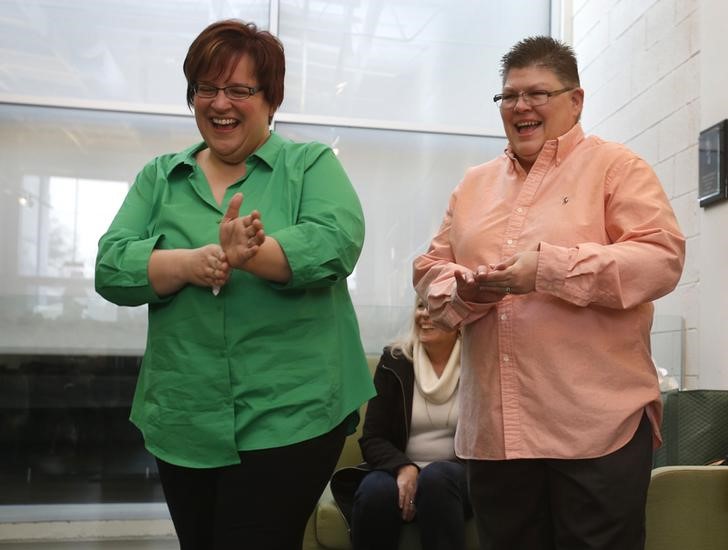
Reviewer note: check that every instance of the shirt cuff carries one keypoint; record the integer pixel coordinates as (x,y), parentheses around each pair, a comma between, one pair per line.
(460,310)
(553,265)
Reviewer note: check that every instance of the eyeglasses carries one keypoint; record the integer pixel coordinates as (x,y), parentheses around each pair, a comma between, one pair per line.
(534,99)
(235,92)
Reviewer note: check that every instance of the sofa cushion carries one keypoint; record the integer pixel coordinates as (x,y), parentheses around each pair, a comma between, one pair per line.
(331,530)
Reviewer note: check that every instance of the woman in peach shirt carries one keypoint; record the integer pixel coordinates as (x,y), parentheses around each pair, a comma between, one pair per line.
(549,257)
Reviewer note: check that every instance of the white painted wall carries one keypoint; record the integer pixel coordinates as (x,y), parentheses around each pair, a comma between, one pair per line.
(654,77)
(713,221)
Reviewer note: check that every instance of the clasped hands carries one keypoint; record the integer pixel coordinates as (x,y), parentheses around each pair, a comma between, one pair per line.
(240,239)
(516,275)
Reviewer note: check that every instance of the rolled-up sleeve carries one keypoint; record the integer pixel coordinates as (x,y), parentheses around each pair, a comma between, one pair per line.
(324,244)
(644,255)
(124,250)
(434,278)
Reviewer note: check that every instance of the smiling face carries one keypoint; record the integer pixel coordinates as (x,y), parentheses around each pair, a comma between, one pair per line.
(527,127)
(233,129)
(429,334)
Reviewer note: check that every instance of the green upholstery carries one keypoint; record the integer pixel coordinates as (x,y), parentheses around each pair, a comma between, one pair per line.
(326,522)
(687,508)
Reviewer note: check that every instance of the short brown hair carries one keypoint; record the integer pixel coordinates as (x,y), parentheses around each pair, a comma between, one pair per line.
(225,42)
(545,52)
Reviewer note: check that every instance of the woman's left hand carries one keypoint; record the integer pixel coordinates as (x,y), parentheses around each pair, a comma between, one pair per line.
(240,237)
(516,275)
(407,485)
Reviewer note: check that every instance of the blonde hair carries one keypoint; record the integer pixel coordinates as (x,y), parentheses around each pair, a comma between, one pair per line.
(404,345)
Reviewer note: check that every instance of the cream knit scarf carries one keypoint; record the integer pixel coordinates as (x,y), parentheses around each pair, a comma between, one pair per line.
(436,390)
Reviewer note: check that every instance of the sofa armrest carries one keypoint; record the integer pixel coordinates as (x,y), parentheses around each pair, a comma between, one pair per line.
(331,529)
(687,507)
(329,526)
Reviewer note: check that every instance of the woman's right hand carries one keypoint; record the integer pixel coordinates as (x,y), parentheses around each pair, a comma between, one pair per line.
(170,270)
(407,485)
(207,266)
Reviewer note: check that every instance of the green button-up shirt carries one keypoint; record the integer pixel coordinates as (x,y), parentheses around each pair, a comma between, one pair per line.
(262,364)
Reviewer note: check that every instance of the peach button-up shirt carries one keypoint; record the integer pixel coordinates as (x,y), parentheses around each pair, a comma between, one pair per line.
(564,371)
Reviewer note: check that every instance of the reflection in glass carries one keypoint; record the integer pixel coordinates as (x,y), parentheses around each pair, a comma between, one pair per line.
(65,175)
(62,222)
(65,436)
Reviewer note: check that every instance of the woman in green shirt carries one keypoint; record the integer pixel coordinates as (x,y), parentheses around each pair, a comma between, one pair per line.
(253,371)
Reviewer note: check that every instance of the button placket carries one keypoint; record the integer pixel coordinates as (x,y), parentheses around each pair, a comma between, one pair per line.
(510,390)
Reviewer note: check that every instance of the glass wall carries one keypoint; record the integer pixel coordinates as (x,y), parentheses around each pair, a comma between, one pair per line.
(65,174)
(361,59)
(106,52)
(90,91)
(69,359)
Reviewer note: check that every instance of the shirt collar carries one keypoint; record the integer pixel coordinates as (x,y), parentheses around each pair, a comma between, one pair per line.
(567,143)
(563,144)
(186,157)
(268,153)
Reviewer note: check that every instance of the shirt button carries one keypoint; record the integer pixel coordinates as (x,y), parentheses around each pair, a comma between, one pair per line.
(503,317)
(519,210)
(506,358)
(510,241)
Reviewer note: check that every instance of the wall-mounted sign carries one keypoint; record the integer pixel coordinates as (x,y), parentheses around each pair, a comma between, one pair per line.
(713,184)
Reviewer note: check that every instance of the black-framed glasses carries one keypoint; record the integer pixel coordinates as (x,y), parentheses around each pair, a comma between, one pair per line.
(235,92)
(534,99)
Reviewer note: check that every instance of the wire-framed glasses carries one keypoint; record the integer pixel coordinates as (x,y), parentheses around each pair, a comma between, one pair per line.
(534,99)
(235,92)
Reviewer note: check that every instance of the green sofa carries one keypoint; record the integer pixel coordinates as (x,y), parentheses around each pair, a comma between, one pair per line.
(687,508)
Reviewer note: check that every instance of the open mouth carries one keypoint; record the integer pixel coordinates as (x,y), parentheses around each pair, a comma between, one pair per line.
(527,127)
(224,123)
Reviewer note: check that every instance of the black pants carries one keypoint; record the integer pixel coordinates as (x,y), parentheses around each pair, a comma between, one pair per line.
(263,503)
(548,504)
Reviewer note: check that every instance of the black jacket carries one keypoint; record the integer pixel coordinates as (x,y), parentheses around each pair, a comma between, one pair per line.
(389,414)
(386,428)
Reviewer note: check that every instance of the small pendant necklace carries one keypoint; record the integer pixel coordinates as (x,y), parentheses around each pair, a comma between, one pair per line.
(449,412)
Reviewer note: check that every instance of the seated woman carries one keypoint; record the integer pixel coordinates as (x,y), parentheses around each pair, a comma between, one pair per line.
(411,472)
